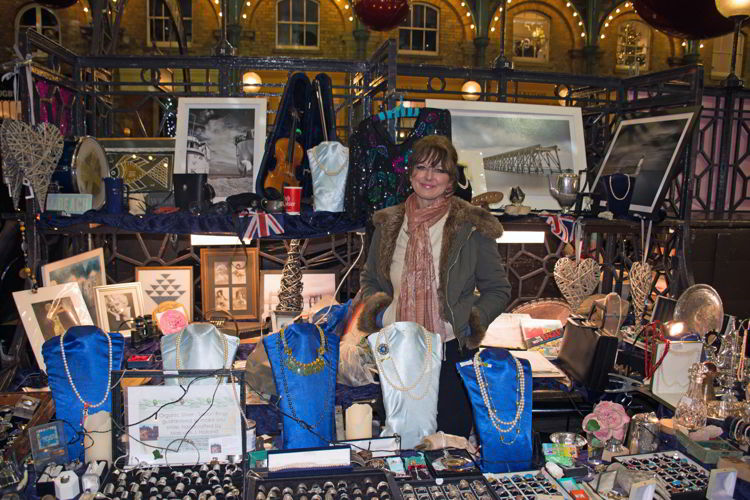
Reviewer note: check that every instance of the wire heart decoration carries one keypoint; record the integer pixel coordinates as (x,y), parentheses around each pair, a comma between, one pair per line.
(640,277)
(35,152)
(577,281)
(13,174)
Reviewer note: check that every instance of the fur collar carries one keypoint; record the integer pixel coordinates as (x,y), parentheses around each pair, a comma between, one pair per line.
(463,218)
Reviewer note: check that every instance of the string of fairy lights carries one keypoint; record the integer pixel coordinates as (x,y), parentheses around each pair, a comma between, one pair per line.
(576,14)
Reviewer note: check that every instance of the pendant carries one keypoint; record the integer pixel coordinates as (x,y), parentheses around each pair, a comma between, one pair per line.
(383,349)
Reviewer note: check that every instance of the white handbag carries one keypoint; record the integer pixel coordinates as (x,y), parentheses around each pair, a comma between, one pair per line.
(329,165)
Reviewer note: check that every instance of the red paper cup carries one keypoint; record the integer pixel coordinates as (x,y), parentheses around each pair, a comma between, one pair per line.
(292,199)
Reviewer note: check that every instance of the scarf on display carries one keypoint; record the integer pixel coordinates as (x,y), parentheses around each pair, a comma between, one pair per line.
(418,298)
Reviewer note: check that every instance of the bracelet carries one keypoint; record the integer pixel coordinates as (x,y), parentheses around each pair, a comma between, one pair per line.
(741,426)
(744,433)
(734,425)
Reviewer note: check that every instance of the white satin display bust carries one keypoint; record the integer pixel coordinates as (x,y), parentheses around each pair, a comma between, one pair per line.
(201,348)
(409,379)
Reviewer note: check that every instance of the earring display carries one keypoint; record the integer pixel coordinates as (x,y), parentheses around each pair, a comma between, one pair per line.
(204,481)
(370,485)
(465,488)
(526,484)
(682,476)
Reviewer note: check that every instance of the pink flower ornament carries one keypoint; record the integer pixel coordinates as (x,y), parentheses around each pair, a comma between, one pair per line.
(608,420)
(172,321)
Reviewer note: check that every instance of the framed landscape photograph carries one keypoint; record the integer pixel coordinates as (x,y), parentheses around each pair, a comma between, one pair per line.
(648,148)
(500,142)
(166,284)
(229,281)
(223,137)
(87,269)
(117,305)
(49,312)
(316,285)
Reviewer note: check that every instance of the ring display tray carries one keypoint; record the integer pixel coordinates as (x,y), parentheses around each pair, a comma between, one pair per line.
(367,484)
(685,479)
(453,488)
(527,484)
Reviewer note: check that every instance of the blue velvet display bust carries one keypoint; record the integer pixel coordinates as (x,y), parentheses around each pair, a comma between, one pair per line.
(506,440)
(87,355)
(309,397)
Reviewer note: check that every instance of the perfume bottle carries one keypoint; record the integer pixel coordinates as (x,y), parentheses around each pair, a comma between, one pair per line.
(691,409)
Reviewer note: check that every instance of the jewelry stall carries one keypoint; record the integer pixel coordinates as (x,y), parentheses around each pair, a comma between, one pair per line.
(212,349)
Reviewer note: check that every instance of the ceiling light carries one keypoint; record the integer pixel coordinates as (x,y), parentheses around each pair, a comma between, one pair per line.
(471,90)
(251,82)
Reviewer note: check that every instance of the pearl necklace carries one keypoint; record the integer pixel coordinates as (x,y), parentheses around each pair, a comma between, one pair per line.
(383,353)
(86,404)
(501,425)
(612,189)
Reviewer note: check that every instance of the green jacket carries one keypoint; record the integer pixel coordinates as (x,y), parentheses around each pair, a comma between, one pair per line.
(469,262)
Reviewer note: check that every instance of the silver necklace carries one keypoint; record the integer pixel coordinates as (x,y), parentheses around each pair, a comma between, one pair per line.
(465,184)
(86,404)
(502,426)
(383,353)
(612,190)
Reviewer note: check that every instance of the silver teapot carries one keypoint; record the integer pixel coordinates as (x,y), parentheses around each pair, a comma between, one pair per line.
(564,188)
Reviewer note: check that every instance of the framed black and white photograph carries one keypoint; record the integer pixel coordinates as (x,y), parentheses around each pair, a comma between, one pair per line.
(49,312)
(507,144)
(229,281)
(87,269)
(117,306)
(221,137)
(316,286)
(649,149)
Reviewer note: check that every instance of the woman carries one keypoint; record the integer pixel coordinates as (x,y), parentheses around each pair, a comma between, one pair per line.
(427,258)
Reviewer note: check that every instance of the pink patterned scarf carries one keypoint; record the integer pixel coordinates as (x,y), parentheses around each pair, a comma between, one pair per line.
(418,298)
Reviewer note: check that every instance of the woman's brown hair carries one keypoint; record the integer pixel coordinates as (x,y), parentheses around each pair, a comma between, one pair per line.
(434,151)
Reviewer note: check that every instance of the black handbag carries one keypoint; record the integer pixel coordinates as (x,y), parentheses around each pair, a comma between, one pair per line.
(586,355)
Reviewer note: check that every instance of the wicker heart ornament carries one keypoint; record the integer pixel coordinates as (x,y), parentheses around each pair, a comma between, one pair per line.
(577,281)
(33,152)
(640,277)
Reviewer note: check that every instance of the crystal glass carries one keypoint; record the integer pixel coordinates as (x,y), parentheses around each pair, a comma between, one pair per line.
(691,410)
(595,449)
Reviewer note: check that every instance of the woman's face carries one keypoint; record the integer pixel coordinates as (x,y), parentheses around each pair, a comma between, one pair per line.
(430,183)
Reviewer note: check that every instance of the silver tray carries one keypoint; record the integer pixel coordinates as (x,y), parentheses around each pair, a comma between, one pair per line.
(701,309)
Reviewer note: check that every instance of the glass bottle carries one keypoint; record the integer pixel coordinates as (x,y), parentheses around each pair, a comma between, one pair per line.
(691,410)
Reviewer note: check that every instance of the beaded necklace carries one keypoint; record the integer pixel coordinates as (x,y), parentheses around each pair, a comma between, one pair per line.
(502,426)
(384,353)
(298,367)
(287,394)
(86,404)
(612,189)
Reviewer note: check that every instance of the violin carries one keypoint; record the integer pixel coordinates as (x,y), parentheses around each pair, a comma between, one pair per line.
(289,155)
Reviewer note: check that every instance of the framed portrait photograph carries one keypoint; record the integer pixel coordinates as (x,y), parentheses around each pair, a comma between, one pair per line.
(87,269)
(648,149)
(508,144)
(223,137)
(145,164)
(229,281)
(316,285)
(50,312)
(116,305)
(163,284)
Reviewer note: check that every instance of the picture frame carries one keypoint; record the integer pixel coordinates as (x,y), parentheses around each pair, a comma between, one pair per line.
(481,129)
(166,284)
(87,269)
(650,146)
(117,304)
(229,281)
(223,137)
(50,311)
(316,285)
(145,164)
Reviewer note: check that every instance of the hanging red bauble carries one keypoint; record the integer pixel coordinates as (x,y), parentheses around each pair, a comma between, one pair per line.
(381,15)
(56,4)
(699,22)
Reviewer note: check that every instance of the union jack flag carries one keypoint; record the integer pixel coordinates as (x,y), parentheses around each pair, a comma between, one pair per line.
(562,226)
(261,225)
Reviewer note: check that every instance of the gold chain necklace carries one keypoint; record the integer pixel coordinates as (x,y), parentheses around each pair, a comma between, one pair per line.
(383,352)
(298,367)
